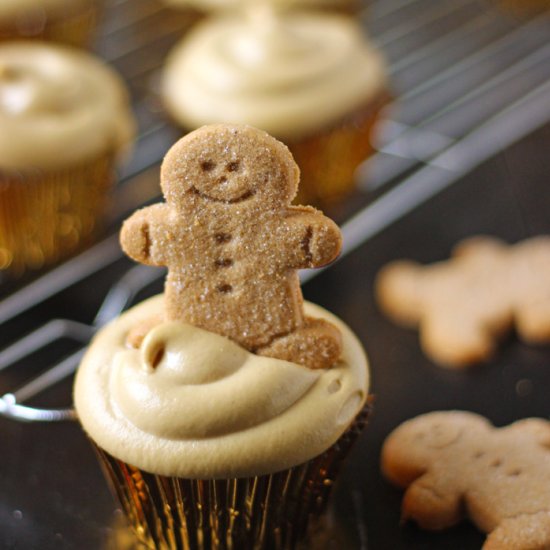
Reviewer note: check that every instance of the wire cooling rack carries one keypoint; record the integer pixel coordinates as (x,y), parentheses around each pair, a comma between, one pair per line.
(469,80)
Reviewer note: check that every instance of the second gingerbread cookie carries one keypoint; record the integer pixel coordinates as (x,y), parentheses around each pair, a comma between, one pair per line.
(233,244)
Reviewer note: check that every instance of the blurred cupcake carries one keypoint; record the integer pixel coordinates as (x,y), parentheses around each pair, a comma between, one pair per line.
(206,6)
(64,121)
(67,21)
(206,443)
(310,79)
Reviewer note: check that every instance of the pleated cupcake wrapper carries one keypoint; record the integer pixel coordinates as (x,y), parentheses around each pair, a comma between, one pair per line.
(264,512)
(74,27)
(328,160)
(44,216)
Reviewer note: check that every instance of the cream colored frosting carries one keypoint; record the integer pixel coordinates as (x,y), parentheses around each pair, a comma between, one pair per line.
(194,404)
(17,8)
(58,107)
(212,5)
(289,74)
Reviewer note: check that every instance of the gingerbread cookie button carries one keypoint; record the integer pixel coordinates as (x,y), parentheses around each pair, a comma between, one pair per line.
(463,306)
(455,464)
(233,244)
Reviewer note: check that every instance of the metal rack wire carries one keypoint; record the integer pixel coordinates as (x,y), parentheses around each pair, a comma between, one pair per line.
(469,80)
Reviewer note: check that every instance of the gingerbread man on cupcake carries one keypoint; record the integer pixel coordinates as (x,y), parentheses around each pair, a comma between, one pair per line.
(232,244)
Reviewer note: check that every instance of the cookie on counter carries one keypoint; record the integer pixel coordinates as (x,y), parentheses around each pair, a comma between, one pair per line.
(465,305)
(455,464)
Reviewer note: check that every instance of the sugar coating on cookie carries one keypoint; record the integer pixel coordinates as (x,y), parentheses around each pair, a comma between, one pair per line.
(464,305)
(455,464)
(233,244)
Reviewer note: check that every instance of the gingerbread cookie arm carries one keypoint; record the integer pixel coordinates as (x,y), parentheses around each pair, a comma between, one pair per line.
(433,503)
(524,532)
(399,291)
(311,239)
(536,428)
(141,232)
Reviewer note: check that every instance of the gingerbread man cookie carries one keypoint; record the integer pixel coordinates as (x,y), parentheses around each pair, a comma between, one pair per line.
(462,306)
(456,463)
(232,243)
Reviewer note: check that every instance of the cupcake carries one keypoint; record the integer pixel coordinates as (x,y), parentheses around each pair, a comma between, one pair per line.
(221,410)
(64,122)
(68,21)
(346,6)
(310,79)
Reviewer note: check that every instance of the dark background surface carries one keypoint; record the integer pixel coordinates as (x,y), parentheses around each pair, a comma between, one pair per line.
(52,492)
(53,495)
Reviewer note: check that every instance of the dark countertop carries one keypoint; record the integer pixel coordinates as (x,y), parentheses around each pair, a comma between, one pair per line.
(53,495)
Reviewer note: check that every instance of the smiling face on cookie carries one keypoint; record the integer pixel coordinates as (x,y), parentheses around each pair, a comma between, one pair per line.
(225,165)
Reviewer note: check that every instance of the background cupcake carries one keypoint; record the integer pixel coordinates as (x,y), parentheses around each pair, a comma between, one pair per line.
(67,21)
(310,79)
(64,121)
(349,6)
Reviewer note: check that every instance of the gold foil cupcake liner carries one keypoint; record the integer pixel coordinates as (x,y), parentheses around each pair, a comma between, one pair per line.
(46,216)
(328,160)
(74,27)
(265,512)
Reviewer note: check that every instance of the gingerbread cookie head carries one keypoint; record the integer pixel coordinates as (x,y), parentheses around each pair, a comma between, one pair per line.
(229,165)
(416,444)
(456,463)
(233,244)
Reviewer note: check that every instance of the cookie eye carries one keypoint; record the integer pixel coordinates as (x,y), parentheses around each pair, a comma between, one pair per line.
(222,238)
(233,166)
(207,165)
(224,288)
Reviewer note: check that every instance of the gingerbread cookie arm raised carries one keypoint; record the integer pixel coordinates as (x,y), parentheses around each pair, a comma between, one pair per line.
(312,239)
(142,232)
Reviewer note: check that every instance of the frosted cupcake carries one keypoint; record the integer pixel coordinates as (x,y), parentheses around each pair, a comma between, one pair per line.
(348,6)
(68,21)
(64,121)
(221,411)
(310,79)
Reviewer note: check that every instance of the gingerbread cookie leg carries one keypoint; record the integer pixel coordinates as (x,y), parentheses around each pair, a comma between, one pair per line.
(525,532)
(316,345)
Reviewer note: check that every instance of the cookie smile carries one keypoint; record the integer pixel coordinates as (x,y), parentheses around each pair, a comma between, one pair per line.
(245,196)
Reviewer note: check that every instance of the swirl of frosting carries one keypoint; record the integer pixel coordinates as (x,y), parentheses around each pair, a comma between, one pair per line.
(197,370)
(289,74)
(194,404)
(58,107)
